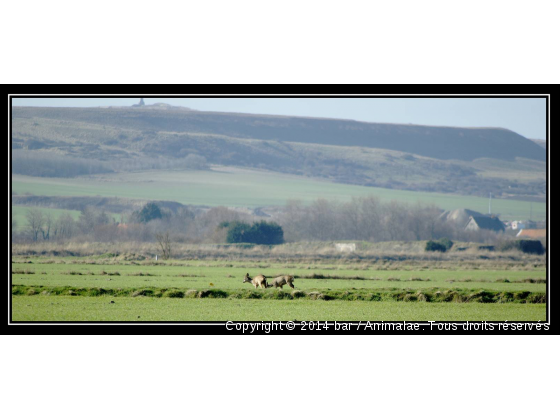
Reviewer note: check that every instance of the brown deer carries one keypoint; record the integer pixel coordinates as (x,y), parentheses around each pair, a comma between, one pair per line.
(258,281)
(280,281)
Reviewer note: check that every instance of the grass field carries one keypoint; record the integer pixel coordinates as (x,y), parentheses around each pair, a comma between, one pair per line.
(19,214)
(50,281)
(48,308)
(196,275)
(250,188)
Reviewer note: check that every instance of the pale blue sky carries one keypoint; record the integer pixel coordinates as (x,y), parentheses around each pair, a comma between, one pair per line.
(526,116)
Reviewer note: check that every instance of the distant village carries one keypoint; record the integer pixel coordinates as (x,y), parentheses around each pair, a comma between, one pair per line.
(474,221)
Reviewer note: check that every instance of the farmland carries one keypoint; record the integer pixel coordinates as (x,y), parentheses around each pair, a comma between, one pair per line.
(19,214)
(226,186)
(48,308)
(82,289)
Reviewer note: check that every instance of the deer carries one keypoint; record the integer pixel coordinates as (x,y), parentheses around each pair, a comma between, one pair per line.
(280,281)
(258,281)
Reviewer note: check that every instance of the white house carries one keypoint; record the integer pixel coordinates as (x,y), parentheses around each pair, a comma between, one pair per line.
(517,224)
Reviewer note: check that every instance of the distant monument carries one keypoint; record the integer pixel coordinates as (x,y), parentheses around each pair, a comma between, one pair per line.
(141,103)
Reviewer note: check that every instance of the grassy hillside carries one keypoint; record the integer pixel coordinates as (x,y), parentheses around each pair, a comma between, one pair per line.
(406,157)
(437,142)
(249,188)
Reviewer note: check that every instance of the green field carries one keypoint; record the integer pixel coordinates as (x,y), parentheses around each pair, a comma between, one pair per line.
(19,214)
(250,188)
(197,275)
(48,308)
(51,281)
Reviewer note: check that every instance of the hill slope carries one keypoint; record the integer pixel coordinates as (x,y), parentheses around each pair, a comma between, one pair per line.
(435,142)
(55,141)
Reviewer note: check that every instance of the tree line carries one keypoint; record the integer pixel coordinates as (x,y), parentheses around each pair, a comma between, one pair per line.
(361,219)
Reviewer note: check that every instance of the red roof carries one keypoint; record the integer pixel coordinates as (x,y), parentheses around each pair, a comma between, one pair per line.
(532,233)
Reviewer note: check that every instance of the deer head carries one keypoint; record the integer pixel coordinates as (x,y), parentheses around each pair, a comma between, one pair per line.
(247,279)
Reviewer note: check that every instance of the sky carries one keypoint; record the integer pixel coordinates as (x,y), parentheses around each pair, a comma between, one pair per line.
(525,116)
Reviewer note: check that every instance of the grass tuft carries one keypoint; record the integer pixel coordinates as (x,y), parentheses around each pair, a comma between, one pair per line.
(386,294)
(174,294)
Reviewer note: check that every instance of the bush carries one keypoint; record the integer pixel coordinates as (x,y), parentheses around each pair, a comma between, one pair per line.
(441,245)
(237,232)
(531,247)
(527,246)
(262,233)
(266,233)
(174,294)
(448,243)
(435,246)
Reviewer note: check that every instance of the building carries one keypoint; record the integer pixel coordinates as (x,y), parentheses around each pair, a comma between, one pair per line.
(459,217)
(477,223)
(532,234)
(519,224)
(141,103)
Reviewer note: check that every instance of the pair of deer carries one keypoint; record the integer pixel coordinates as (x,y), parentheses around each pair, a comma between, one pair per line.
(260,281)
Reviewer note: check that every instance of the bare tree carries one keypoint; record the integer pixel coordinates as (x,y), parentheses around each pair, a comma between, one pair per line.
(368,218)
(47,225)
(294,221)
(65,226)
(165,244)
(395,221)
(35,219)
(90,218)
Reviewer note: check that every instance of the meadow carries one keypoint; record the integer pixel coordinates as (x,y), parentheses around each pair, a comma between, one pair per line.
(19,214)
(48,308)
(226,186)
(44,288)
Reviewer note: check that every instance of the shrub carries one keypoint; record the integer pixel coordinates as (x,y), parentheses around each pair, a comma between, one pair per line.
(531,246)
(441,245)
(527,246)
(298,294)
(448,243)
(237,232)
(144,292)
(435,246)
(262,233)
(174,294)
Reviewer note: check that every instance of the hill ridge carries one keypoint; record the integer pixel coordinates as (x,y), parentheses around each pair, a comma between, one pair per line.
(440,142)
